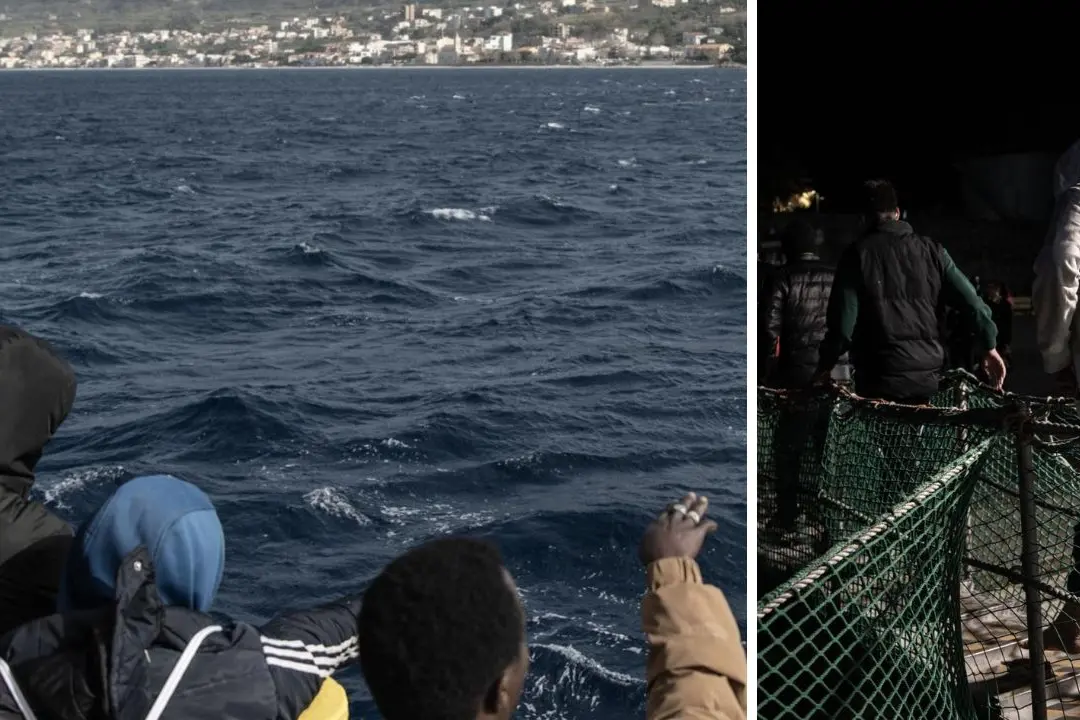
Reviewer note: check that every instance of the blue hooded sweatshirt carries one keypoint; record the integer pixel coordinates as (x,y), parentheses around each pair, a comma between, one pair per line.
(174,520)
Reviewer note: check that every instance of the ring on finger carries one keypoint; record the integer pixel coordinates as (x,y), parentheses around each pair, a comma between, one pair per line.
(694,515)
(679,508)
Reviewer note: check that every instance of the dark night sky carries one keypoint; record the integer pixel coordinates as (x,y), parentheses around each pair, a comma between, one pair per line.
(902,90)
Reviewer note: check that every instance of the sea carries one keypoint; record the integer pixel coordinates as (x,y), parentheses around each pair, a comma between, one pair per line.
(366,308)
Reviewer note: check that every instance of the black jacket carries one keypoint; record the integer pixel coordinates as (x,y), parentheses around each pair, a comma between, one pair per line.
(37,389)
(793,322)
(111,664)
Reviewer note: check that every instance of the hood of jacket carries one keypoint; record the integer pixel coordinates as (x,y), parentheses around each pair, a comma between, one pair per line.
(37,390)
(176,523)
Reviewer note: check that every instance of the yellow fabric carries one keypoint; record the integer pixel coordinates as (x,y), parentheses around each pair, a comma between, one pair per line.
(330,704)
(697,666)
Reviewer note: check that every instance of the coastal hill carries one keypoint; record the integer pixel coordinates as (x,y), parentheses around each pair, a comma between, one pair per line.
(117,14)
(657,22)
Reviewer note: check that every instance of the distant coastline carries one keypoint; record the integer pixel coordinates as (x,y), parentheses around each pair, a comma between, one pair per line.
(486,66)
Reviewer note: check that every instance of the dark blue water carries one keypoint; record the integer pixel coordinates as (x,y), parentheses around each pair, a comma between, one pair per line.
(366,308)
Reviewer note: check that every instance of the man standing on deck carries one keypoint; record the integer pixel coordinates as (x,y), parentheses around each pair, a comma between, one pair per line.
(885,307)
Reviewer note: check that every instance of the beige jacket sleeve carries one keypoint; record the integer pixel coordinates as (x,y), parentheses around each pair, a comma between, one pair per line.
(697,665)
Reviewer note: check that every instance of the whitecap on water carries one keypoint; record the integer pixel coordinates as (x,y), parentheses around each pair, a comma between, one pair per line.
(591,109)
(334,503)
(579,659)
(555,126)
(55,493)
(440,518)
(459,214)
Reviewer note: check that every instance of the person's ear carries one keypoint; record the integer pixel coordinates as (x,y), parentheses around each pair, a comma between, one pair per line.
(897,215)
(497,697)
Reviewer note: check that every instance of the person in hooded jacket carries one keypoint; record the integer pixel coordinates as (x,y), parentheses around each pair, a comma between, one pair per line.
(37,390)
(133,640)
(793,313)
(791,329)
(1057,332)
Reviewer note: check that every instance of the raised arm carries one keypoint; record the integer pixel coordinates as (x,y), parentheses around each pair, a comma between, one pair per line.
(304,648)
(697,666)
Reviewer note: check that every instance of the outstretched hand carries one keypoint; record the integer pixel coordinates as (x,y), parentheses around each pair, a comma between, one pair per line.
(679,531)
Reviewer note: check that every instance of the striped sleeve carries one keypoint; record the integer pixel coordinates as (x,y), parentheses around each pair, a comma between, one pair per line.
(304,648)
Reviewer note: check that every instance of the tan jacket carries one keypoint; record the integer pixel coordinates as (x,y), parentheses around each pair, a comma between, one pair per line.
(697,665)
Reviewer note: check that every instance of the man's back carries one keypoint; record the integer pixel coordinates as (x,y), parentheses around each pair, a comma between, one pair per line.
(897,341)
(886,303)
(796,303)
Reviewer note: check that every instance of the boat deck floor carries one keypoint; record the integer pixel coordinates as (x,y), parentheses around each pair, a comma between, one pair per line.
(997,661)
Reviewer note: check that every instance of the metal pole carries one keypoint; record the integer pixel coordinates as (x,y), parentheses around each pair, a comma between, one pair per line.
(1029,563)
(961,400)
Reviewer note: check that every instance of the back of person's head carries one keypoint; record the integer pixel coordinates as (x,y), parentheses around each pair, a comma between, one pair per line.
(798,238)
(442,634)
(881,202)
(177,524)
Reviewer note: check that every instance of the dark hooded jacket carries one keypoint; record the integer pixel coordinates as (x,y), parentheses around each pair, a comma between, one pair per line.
(37,389)
(112,663)
(793,322)
(141,575)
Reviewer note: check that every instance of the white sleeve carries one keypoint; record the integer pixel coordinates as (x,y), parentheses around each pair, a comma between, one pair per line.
(1057,280)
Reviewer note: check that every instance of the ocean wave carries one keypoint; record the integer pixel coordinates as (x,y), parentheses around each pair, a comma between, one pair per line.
(460,214)
(224,423)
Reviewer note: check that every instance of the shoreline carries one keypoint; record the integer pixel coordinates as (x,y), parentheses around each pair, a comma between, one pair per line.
(415,68)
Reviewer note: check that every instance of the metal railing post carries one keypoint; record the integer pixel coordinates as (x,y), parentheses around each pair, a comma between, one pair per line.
(960,398)
(1029,563)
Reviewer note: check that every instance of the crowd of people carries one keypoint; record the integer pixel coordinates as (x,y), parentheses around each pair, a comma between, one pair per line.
(111,620)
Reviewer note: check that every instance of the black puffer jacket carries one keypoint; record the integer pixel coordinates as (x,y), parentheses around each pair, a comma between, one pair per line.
(37,389)
(793,322)
(113,663)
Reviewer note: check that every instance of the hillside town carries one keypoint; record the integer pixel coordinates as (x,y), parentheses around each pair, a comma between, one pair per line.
(409,35)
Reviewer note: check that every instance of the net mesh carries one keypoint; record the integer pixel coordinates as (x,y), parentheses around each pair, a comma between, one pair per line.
(889,553)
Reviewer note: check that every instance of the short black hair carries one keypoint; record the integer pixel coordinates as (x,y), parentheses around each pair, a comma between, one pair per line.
(881,198)
(437,628)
